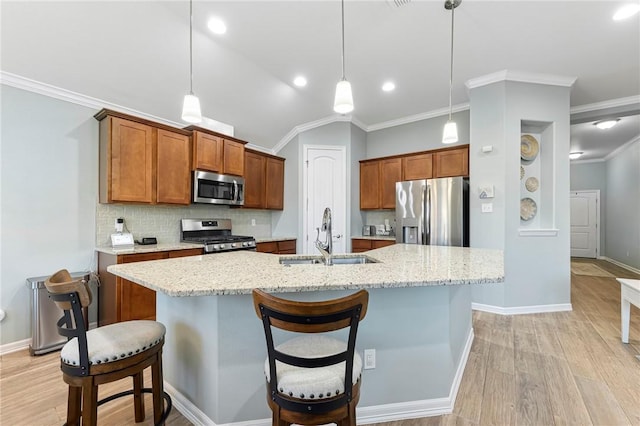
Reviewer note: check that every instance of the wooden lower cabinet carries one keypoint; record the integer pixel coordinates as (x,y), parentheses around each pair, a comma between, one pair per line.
(123,300)
(358,245)
(277,247)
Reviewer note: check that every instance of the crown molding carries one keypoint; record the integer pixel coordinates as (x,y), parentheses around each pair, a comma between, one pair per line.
(621,148)
(578,162)
(417,117)
(521,77)
(613,103)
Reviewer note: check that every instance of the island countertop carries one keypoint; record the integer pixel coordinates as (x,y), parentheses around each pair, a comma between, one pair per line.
(233,273)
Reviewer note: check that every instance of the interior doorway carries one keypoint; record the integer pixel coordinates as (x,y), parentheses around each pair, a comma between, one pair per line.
(325,185)
(585,223)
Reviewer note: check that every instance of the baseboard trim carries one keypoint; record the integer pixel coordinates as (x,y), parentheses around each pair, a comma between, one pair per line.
(522,310)
(14,346)
(366,415)
(620,264)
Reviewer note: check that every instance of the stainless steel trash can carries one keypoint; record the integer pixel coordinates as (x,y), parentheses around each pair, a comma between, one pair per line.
(45,314)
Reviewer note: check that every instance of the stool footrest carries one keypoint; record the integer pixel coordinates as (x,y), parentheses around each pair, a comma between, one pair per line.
(165,395)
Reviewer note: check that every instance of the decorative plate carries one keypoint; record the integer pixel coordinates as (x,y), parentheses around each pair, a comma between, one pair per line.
(521,172)
(529,147)
(528,209)
(531,184)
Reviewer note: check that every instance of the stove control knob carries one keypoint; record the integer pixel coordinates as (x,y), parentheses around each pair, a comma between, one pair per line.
(233,245)
(245,244)
(221,246)
(215,247)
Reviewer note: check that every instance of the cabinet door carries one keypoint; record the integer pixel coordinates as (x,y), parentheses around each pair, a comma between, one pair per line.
(287,247)
(173,168)
(131,162)
(359,245)
(233,158)
(267,247)
(274,184)
(381,243)
(451,163)
(390,173)
(185,253)
(254,180)
(207,152)
(370,185)
(417,167)
(138,302)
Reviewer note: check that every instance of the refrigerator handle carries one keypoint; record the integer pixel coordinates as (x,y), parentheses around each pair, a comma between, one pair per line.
(427,217)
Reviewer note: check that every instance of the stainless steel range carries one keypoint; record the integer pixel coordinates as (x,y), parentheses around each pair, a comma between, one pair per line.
(215,234)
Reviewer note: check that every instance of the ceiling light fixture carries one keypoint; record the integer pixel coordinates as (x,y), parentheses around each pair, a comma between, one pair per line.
(343,102)
(300,81)
(450,132)
(216,25)
(388,86)
(606,124)
(191,107)
(626,11)
(574,155)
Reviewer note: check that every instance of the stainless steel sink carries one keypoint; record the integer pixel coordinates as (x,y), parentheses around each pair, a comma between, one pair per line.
(358,259)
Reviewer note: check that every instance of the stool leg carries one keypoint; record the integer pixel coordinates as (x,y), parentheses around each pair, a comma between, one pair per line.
(89,402)
(74,402)
(138,397)
(625,316)
(157,386)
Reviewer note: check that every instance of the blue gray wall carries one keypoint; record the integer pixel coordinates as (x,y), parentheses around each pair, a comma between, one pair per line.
(590,176)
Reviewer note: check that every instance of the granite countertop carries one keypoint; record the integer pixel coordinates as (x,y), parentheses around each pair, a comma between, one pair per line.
(271,239)
(401,265)
(375,237)
(151,248)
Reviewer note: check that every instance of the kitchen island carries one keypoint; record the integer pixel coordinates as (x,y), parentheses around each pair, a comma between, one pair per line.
(419,322)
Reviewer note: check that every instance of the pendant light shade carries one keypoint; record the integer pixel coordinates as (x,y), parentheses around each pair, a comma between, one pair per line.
(450,132)
(343,102)
(191,112)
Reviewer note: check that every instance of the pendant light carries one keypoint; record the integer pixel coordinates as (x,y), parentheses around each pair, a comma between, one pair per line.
(191,107)
(343,103)
(450,133)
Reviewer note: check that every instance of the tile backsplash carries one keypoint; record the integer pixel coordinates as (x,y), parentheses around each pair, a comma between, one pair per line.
(377,217)
(163,222)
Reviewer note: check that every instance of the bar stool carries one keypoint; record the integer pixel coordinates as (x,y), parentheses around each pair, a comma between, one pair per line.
(312,379)
(105,354)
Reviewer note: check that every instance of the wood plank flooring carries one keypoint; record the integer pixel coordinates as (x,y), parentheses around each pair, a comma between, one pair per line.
(564,368)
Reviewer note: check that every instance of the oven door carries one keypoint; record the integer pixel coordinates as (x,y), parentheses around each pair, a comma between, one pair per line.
(212,188)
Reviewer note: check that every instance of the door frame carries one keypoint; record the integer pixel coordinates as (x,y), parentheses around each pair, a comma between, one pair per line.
(598,227)
(305,195)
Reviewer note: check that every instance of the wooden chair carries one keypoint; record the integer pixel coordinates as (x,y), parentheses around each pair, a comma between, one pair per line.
(312,379)
(105,354)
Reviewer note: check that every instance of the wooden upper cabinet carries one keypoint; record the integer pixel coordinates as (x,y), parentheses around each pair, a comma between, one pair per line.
(254,180)
(173,176)
(274,183)
(233,158)
(453,162)
(126,161)
(418,166)
(390,173)
(369,185)
(207,152)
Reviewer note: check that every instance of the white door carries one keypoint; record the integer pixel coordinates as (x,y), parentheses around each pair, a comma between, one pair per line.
(584,223)
(325,186)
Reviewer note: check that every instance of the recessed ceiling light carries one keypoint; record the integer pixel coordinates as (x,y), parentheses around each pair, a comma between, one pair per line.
(626,11)
(575,155)
(217,26)
(300,81)
(606,124)
(388,86)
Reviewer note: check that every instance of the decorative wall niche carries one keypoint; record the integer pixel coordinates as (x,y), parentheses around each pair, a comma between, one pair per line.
(537,177)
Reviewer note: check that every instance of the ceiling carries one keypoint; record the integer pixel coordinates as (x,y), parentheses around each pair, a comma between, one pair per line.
(136,55)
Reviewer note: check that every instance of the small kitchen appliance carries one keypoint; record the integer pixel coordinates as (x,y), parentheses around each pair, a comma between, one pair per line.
(215,234)
(213,188)
(369,230)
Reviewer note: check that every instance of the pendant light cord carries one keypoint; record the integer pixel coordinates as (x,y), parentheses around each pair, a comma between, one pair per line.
(343,77)
(191,47)
(451,65)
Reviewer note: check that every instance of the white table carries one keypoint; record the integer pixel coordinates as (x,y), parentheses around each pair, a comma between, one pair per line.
(629,293)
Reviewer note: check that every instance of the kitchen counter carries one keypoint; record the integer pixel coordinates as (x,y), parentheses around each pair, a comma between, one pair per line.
(400,265)
(151,248)
(418,321)
(272,239)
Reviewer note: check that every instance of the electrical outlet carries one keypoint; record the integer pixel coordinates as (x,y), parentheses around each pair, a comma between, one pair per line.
(253,222)
(487,207)
(369,359)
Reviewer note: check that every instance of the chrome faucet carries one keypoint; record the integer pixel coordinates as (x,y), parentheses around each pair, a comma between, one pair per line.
(326,248)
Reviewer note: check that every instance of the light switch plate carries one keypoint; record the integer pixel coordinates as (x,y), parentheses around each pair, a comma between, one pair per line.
(487,207)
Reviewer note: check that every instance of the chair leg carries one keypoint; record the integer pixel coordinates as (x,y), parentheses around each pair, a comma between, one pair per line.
(138,397)
(74,404)
(276,420)
(157,386)
(89,402)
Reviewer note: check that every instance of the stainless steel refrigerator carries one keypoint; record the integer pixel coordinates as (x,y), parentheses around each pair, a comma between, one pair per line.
(433,212)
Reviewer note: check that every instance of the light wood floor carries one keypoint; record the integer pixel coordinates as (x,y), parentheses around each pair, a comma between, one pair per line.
(543,369)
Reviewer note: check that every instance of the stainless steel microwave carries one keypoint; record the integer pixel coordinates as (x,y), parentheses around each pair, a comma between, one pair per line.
(212,188)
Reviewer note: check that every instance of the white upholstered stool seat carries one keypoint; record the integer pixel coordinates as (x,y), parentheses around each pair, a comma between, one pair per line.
(313,383)
(115,342)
